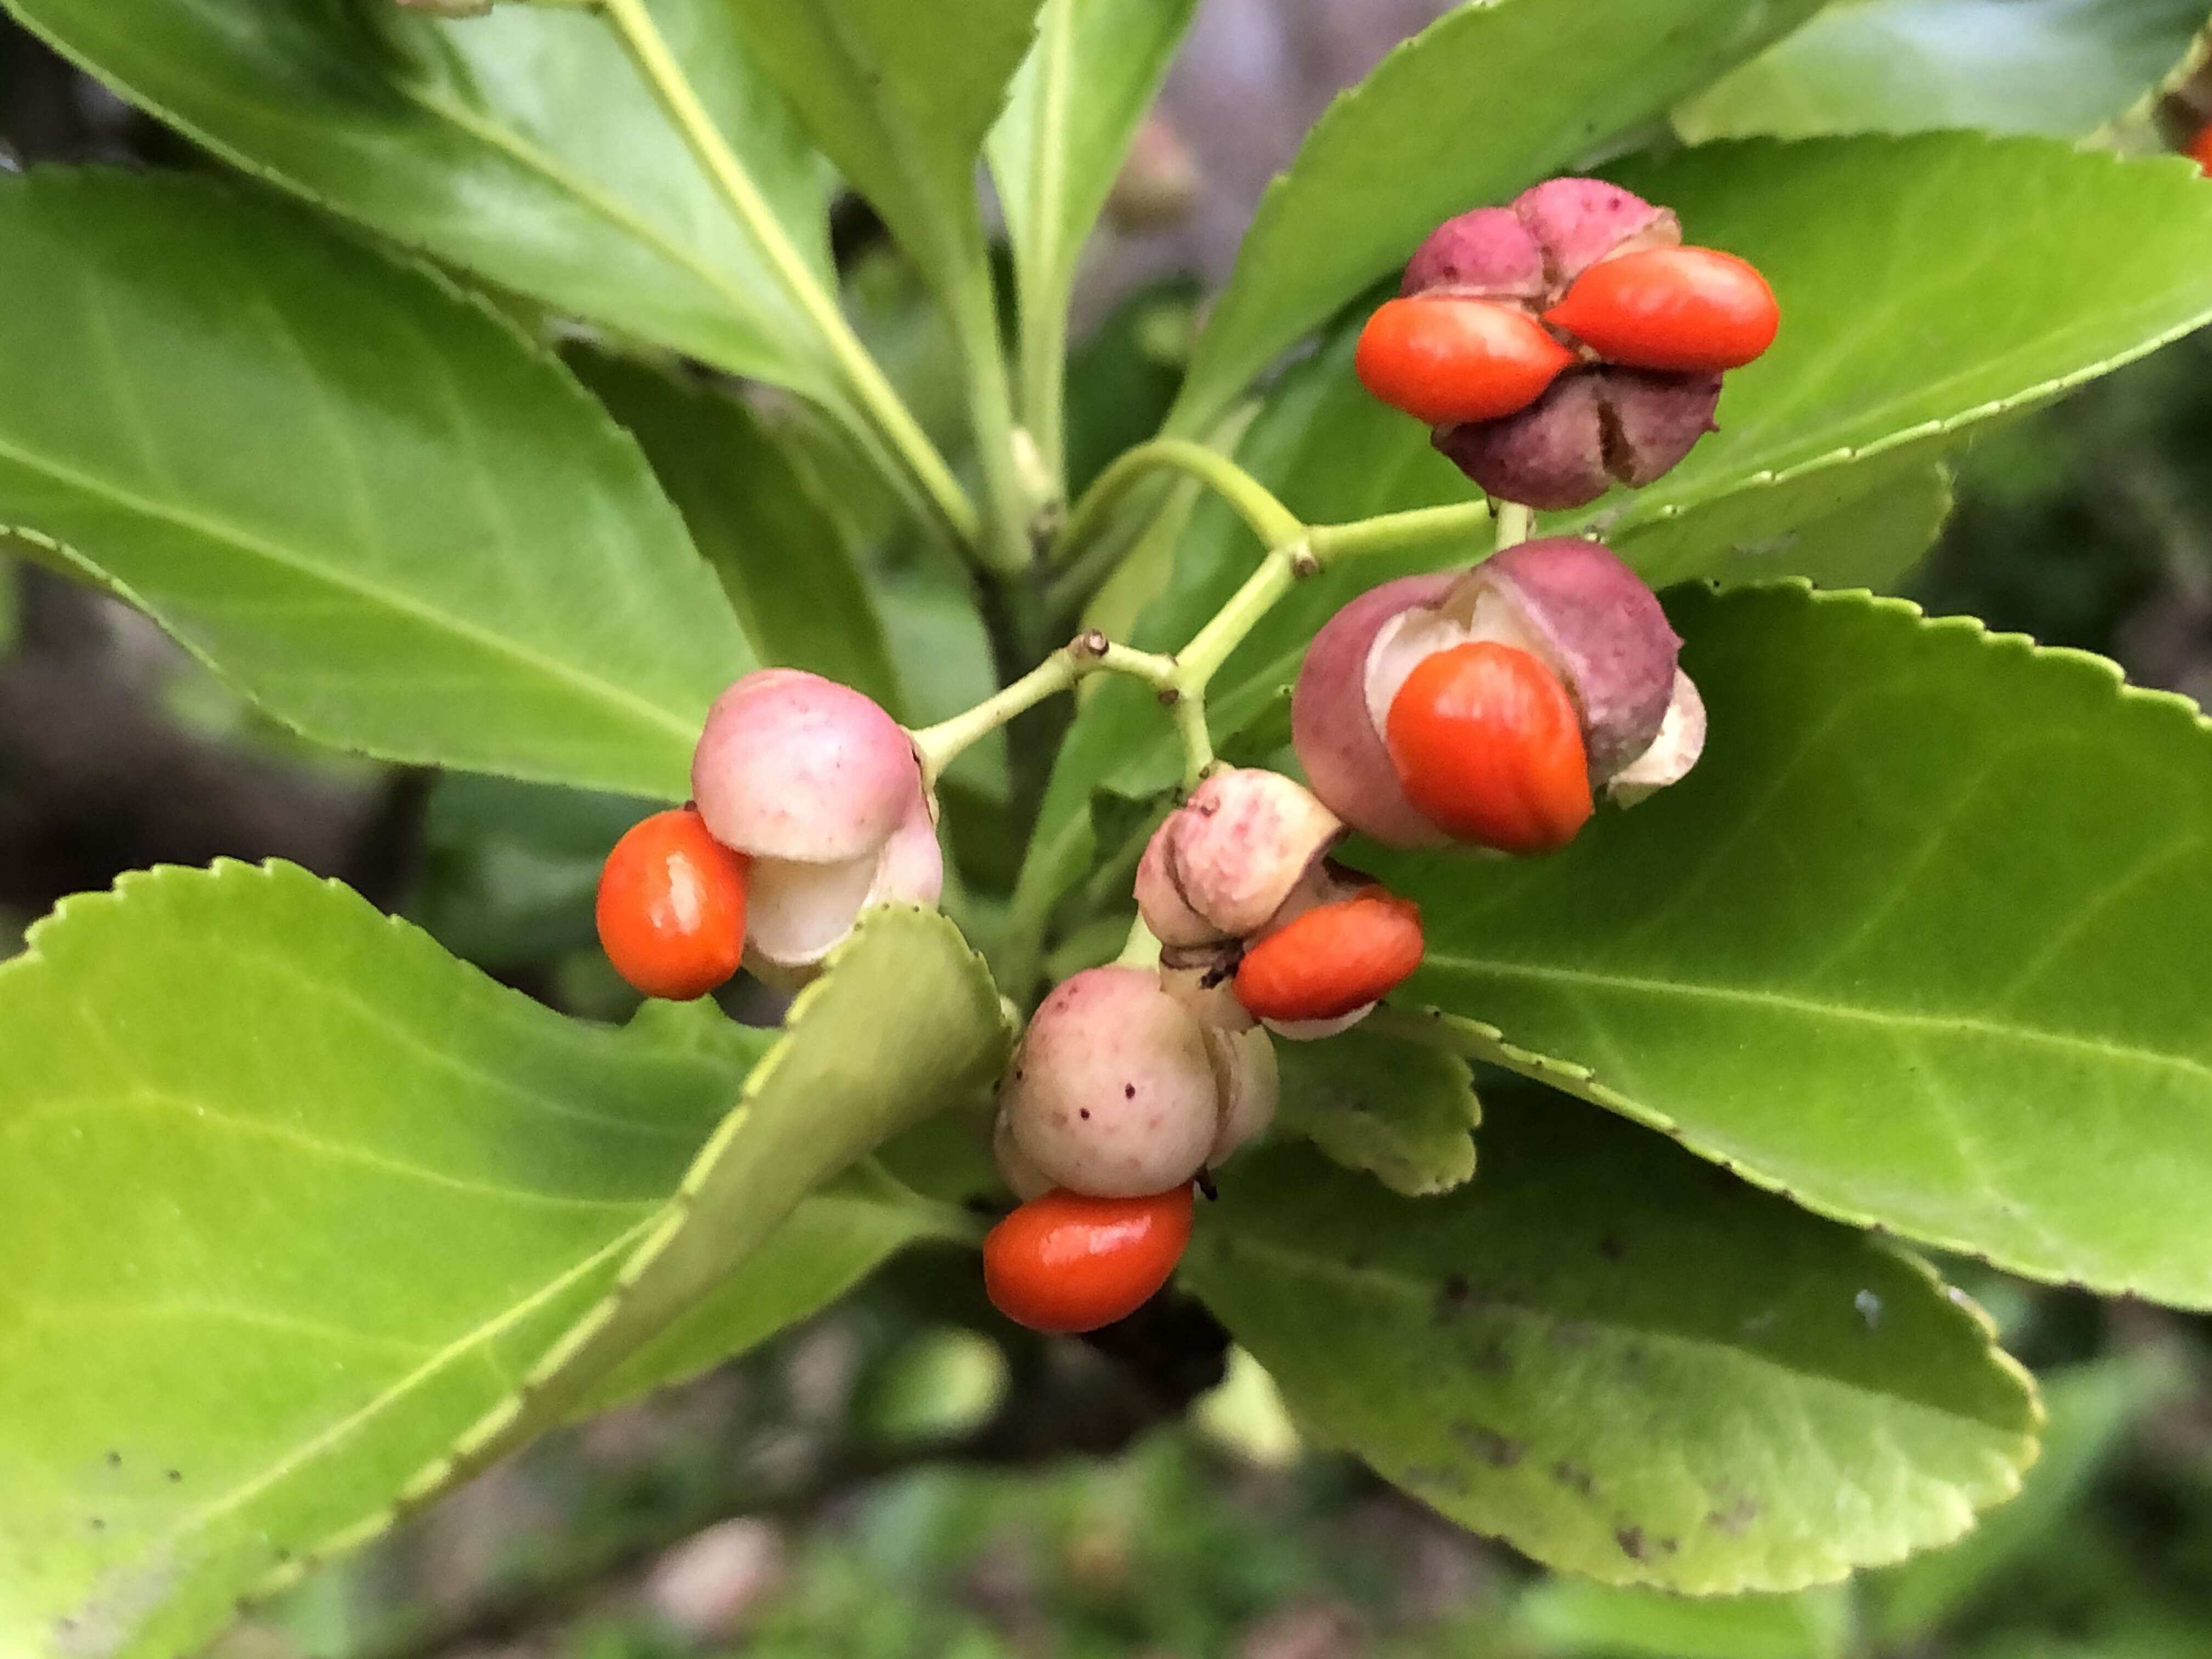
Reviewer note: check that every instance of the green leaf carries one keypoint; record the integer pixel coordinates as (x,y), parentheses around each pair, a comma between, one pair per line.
(791,572)
(1919,303)
(386,1220)
(2061,67)
(2091,1406)
(903,1023)
(1625,1365)
(1405,1114)
(522,146)
(1071,113)
(292,1197)
(1605,1621)
(1483,102)
(900,97)
(361,496)
(1870,541)
(1917,942)
(835,1238)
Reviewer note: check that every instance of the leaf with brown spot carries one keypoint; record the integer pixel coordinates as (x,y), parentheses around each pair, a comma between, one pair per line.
(1595,1413)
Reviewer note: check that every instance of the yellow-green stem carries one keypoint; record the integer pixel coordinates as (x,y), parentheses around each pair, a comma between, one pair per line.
(1270,520)
(1516,524)
(1389,533)
(1044,293)
(941,745)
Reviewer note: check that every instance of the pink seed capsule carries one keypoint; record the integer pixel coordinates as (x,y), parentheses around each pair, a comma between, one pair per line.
(1586,619)
(1487,254)
(793,766)
(822,789)
(1579,221)
(1113,1093)
(1338,742)
(1221,865)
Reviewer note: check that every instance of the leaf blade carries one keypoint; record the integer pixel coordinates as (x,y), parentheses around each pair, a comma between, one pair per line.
(357,493)
(2059,67)
(547,1154)
(504,1204)
(900,97)
(1061,141)
(520,145)
(789,567)
(1626,1367)
(1956,1005)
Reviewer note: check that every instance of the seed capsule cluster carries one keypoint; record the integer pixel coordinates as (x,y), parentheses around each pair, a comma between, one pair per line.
(1557,345)
(1566,343)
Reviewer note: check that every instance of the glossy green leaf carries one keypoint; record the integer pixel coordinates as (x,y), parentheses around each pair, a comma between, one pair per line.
(1605,1621)
(292,1197)
(1627,1366)
(1918,942)
(2062,67)
(900,97)
(383,1217)
(1405,1114)
(521,145)
(1868,541)
(1483,102)
(789,568)
(1919,303)
(362,497)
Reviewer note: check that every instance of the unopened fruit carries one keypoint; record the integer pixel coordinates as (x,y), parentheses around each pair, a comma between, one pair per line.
(821,790)
(1119,1089)
(1222,863)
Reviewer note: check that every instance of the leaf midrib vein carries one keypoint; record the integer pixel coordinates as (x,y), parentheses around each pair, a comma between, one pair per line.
(1971,1024)
(346,581)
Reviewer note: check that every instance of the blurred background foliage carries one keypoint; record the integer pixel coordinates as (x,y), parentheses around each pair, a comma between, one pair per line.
(909,1478)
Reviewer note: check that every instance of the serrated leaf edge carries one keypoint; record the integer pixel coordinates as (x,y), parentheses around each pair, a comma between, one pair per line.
(487,1439)
(1623,518)
(1479,1040)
